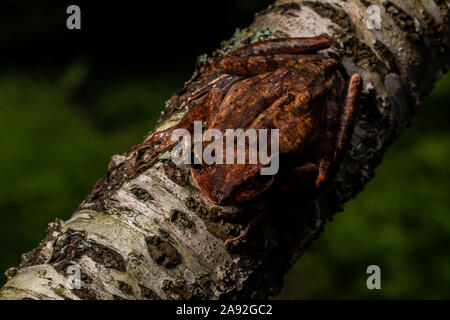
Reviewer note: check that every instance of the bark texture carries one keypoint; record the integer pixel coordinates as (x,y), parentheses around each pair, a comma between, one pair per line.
(146,234)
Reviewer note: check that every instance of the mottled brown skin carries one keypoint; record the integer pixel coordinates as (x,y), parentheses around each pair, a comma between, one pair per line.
(274,84)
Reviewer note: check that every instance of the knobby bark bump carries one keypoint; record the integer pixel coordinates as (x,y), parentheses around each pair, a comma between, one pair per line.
(147,234)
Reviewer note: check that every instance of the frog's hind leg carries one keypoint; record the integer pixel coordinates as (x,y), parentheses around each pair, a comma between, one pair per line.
(349,116)
(285,46)
(266,56)
(346,125)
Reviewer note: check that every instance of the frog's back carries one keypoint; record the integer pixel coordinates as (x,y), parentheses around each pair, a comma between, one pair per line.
(246,100)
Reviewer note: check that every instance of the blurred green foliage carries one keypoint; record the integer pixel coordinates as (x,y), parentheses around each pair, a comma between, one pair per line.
(64,112)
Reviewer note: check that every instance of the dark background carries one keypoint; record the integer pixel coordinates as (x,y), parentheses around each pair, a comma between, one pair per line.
(71,99)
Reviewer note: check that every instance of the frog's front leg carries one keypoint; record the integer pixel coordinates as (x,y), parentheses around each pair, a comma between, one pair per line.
(346,120)
(231,244)
(294,176)
(163,139)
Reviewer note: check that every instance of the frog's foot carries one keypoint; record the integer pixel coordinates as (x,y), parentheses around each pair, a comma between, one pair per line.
(162,138)
(329,165)
(232,244)
(301,174)
(225,213)
(148,152)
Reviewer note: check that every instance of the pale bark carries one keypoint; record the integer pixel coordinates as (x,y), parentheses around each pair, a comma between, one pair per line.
(149,236)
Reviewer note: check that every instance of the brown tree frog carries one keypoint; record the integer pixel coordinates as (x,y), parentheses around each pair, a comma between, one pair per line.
(283,84)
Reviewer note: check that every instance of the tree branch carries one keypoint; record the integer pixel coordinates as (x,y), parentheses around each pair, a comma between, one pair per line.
(147,234)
